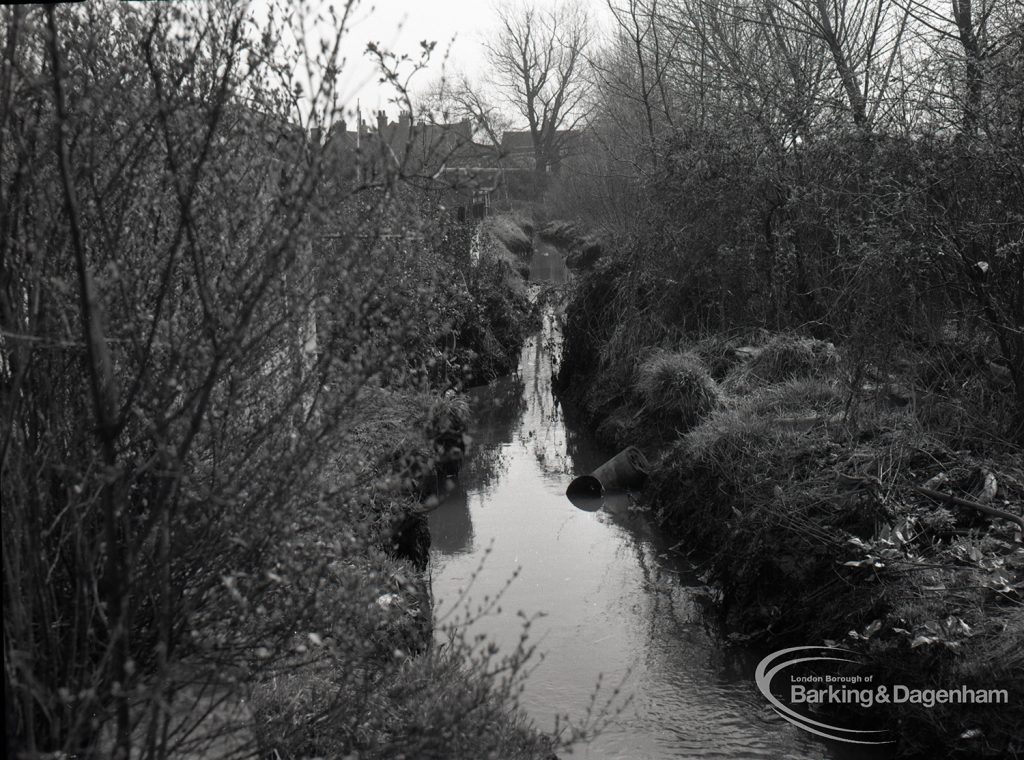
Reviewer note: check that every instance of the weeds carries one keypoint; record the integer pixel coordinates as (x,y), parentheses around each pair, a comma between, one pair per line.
(511,234)
(453,701)
(677,388)
(818,530)
(800,475)
(783,357)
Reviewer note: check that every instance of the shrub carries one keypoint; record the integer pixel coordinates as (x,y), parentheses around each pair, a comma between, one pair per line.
(198,297)
(446,428)
(498,319)
(416,707)
(585,253)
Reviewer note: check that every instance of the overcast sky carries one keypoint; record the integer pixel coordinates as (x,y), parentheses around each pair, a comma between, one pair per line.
(458,26)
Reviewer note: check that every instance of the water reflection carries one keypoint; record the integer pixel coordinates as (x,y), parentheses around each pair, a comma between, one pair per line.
(497,411)
(618,600)
(451,531)
(548,264)
(542,422)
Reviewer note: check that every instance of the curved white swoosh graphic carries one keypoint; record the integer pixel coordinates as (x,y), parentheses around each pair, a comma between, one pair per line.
(764,677)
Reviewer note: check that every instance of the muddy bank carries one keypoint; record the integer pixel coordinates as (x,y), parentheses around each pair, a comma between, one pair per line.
(827,508)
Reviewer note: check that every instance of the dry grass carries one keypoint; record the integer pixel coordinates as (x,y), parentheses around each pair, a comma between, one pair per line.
(799,483)
(677,387)
(623,427)
(818,532)
(799,397)
(742,438)
(783,357)
(511,233)
(562,232)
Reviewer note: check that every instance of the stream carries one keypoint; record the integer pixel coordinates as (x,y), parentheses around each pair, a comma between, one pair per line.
(618,602)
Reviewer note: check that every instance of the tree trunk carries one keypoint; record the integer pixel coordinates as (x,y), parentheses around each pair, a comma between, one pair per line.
(964,18)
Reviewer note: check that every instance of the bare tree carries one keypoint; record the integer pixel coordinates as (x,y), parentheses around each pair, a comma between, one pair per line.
(636,70)
(979,30)
(539,65)
(861,37)
(455,97)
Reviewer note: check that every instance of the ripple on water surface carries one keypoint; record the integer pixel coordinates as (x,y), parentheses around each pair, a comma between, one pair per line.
(617,605)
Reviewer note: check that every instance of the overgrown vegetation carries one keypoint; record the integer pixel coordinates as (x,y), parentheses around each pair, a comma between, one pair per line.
(836,236)
(820,533)
(222,348)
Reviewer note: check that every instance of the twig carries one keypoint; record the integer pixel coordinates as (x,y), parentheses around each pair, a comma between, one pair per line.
(994,511)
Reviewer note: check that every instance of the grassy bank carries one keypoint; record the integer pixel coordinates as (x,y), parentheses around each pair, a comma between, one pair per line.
(370,679)
(323,644)
(840,499)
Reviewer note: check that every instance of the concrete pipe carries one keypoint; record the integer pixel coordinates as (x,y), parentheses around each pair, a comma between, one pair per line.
(627,469)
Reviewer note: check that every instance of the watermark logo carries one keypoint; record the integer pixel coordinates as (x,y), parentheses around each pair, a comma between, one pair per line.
(817,689)
(793,680)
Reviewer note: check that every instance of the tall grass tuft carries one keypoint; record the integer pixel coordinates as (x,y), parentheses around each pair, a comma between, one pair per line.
(678,387)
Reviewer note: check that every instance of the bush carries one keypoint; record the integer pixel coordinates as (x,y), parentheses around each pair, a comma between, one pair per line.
(326,706)
(201,296)
(585,253)
(497,320)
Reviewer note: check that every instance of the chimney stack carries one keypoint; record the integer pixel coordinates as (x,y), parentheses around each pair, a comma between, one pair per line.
(382,122)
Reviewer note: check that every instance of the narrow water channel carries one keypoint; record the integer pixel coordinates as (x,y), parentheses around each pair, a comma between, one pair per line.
(618,602)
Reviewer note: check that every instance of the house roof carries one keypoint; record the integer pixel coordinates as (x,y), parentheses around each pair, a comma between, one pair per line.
(512,142)
(520,141)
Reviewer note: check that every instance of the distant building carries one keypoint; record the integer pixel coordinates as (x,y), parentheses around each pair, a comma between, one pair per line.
(518,148)
(442,156)
(414,149)
(445,157)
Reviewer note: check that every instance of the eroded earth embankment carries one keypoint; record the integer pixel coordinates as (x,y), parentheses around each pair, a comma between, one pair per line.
(833,501)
